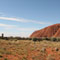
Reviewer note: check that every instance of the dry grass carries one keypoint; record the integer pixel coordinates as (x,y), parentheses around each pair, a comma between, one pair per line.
(29,50)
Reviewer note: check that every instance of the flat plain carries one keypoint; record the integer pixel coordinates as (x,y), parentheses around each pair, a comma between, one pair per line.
(29,50)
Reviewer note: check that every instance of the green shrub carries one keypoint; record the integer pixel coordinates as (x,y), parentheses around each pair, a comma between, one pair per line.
(34,39)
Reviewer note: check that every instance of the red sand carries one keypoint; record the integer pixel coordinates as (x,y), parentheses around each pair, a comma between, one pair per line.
(49,54)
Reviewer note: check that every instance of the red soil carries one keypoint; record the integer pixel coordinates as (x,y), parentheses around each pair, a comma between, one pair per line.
(50,31)
(49,53)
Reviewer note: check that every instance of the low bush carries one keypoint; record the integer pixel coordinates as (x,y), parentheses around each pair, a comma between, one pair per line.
(5,59)
(39,39)
(56,49)
(58,39)
(34,39)
(53,39)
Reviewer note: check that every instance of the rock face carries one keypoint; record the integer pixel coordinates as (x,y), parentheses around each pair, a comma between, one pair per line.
(57,33)
(50,31)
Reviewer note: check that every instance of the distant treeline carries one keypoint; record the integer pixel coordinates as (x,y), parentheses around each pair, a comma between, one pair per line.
(34,39)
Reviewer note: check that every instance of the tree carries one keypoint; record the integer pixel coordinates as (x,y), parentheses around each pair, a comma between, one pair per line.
(2,35)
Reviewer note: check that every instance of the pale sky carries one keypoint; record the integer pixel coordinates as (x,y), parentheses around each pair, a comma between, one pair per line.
(22,17)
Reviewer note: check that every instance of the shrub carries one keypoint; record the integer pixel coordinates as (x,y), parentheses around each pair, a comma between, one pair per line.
(50,57)
(43,49)
(1,56)
(29,38)
(6,38)
(58,39)
(2,35)
(34,39)
(53,39)
(56,49)
(18,38)
(24,58)
(39,39)
(23,38)
(48,39)
(5,59)
(11,37)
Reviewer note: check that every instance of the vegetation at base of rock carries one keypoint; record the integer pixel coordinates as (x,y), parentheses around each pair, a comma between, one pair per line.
(33,39)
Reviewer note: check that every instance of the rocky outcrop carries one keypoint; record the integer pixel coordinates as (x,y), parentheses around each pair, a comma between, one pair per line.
(50,31)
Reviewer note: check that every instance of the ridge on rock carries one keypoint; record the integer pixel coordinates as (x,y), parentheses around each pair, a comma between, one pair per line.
(50,31)
(57,33)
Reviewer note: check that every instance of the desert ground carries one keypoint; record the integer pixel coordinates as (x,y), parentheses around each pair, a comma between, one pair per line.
(29,50)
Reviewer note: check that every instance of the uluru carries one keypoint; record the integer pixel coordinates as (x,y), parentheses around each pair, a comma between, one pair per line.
(50,31)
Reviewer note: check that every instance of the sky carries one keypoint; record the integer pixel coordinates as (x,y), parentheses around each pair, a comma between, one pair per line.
(23,17)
